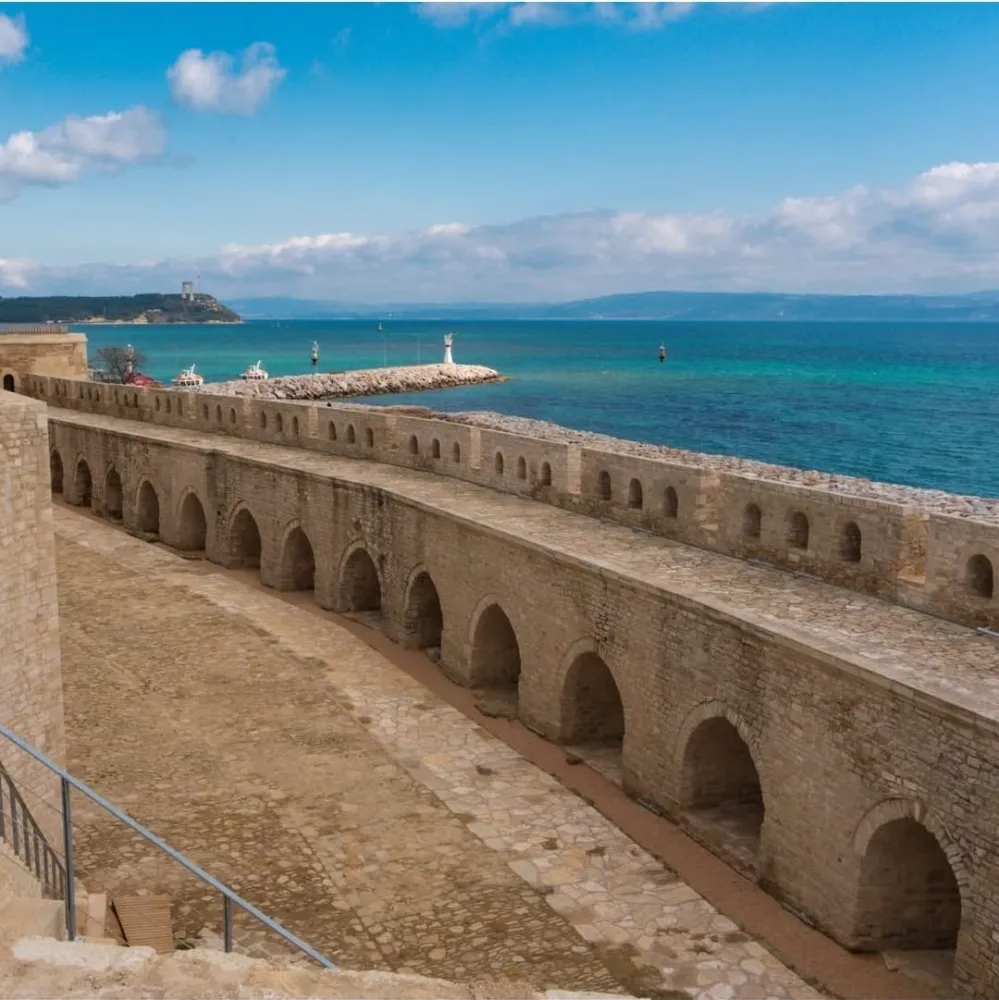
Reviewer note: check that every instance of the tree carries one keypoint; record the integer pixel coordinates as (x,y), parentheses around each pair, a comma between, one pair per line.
(117,363)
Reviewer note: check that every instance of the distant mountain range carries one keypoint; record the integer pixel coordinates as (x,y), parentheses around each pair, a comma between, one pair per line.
(976,307)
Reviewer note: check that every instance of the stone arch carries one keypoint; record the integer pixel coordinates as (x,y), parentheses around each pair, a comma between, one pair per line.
(435,448)
(55,470)
(279,423)
(263,420)
(369,437)
(113,494)
(294,426)
(9,383)
(456,452)
(414,445)
(591,709)
(148,509)
(297,567)
(360,588)
(521,467)
(719,787)
(83,484)
(752,520)
(232,416)
(635,498)
(851,542)
(423,619)
(244,540)
(351,434)
(498,463)
(978,576)
(192,526)
(604,489)
(546,474)
(331,431)
(495,651)
(797,530)
(913,880)
(671,502)
(218,415)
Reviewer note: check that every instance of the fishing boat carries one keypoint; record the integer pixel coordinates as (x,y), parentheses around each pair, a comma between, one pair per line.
(189,379)
(254,374)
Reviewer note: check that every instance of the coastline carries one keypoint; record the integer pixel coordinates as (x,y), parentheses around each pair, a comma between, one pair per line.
(364,382)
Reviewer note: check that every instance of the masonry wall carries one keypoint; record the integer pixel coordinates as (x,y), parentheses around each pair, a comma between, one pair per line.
(30,674)
(62,355)
(840,755)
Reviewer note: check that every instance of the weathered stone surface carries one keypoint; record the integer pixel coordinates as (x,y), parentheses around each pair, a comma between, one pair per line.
(369,382)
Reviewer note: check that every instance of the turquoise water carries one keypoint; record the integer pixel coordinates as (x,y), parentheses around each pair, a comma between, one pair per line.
(906,403)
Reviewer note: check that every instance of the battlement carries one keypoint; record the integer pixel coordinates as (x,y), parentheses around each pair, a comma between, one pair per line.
(912,553)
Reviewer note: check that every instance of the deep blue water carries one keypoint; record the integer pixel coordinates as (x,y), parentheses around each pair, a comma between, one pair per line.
(913,403)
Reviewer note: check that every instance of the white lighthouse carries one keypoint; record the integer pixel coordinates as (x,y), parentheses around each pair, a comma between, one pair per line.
(448,341)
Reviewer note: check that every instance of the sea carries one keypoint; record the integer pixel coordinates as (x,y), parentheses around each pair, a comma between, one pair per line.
(912,403)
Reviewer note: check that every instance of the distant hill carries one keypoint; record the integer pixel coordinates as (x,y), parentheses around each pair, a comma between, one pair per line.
(977,307)
(115,309)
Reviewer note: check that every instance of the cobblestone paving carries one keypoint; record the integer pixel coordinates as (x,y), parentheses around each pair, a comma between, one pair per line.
(296,763)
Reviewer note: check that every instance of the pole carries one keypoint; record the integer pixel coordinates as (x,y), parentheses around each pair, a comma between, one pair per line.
(227,922)
(67,846)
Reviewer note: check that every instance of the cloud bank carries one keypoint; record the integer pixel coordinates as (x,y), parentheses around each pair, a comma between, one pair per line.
(937,233)
(61,153)
(635,16)
(212,83)
(13,39)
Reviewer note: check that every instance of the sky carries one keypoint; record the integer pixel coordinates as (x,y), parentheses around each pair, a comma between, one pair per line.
(498,152)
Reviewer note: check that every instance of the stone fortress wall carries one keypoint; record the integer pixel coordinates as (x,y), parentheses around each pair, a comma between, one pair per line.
(909,554)
(30,673)
(46,349)
(841,749)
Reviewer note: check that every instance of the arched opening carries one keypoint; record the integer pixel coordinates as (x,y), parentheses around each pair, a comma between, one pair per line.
(720,792)
(435,448)
(592,715)
(263,421)
(55,471)
(232,416)
(149,509)
(369,437)
(978,575)
(604,486)
(424,620)
(279,423)
(218,414)
(192,527)
(298,562)
(752,519)
(495,651)
(797,531)
(351,435)
(8,382)
(360,588)
(456,452)
(244,541)
(498,463)
(521,467)
(414,445)
(83,485)
(671,502)
(112,495)
(204,407)
(546,474)
(909,898)
(850,543)
(635,494)
(331,431)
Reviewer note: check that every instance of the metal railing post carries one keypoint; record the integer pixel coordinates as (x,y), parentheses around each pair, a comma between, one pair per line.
(227,922)
(67,845)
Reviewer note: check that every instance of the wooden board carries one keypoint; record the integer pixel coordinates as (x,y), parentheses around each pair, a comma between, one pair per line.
(145,920)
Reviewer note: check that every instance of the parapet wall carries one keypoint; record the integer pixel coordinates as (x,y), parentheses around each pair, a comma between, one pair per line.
(900,552)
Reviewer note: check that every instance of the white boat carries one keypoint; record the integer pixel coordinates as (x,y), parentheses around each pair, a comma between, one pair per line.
(254,374)
(189,379)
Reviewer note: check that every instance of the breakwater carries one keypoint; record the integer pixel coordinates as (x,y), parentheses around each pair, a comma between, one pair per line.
(368,382)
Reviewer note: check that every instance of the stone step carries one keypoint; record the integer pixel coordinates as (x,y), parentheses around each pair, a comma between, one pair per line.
(39,967)
(25,917)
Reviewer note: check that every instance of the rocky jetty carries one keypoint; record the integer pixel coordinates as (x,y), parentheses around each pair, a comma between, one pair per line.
(366,382)
(933,501)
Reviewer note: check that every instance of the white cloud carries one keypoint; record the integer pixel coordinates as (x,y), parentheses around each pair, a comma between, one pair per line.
(636,16)
(60,153)
(13,38)
(212,83)
(937,233)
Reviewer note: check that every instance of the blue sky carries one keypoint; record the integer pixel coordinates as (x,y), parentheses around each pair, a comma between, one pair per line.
(498,151)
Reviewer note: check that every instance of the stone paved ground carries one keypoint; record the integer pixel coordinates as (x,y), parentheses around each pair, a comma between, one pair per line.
(300,766)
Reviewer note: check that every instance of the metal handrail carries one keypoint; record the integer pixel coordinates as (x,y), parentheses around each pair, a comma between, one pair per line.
(20,829)
(229,897)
